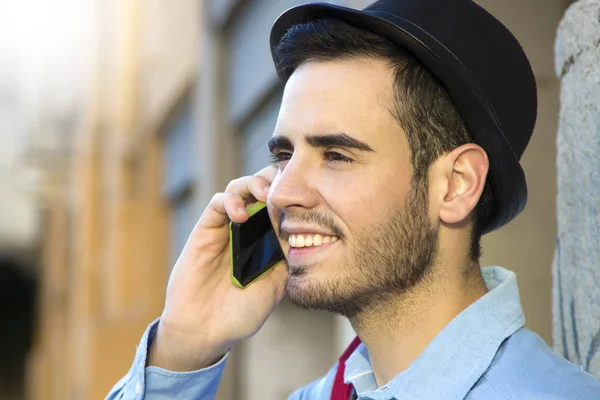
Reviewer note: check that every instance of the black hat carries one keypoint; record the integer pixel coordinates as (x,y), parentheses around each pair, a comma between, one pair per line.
(479,61)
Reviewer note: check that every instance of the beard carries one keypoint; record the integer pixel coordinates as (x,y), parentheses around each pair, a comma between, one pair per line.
(388,259)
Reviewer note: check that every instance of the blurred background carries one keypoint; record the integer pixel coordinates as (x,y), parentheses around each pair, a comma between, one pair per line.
(118,121)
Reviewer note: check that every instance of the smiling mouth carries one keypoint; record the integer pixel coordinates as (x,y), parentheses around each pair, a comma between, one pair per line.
(309,240)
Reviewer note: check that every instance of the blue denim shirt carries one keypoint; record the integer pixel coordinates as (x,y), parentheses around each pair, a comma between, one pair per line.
(482,354)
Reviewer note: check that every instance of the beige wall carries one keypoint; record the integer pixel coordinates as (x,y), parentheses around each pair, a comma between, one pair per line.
(106,239)
(526,245)
(170,44)
(292,349)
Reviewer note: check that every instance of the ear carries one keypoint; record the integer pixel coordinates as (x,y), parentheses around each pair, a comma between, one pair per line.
(465,169)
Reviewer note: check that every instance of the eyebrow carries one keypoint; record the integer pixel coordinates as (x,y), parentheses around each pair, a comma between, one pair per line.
(329,140)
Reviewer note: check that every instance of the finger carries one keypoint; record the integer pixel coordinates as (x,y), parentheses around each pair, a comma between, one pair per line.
(217,214)
(235,207)
(250,188)
(269,173)
(231,205)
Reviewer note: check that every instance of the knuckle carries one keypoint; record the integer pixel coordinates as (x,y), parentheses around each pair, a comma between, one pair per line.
(217,197)
(259,182)
(232,185)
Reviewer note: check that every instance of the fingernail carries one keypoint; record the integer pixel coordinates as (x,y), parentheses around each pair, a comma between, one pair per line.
(266,189)
(241,210)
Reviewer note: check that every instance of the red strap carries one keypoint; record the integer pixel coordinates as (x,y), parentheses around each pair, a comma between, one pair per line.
(341,390)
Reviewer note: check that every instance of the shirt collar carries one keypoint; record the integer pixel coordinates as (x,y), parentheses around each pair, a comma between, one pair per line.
(459,355)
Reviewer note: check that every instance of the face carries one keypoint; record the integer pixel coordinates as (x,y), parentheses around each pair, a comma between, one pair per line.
(353,227)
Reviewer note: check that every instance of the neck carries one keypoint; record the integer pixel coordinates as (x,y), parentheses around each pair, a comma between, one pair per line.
(397,330)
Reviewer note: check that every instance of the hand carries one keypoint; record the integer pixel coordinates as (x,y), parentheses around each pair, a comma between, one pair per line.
(205,314)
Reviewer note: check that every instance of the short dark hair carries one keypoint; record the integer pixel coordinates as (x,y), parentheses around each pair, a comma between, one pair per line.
(423,107)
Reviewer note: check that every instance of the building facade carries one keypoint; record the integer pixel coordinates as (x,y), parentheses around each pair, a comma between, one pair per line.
(107,240)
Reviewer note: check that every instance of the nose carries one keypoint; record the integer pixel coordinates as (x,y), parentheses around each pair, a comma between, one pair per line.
(294,186)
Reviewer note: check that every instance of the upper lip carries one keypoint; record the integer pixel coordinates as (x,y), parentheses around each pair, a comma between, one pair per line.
(296,229)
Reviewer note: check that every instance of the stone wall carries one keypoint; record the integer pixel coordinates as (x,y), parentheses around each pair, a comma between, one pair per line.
(577,254)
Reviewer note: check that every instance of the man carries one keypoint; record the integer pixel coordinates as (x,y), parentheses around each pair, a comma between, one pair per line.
(395,149)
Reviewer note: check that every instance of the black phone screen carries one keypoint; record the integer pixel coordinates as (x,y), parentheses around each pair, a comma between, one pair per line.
(255,247)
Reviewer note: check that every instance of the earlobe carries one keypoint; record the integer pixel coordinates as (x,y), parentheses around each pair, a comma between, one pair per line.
(466,172)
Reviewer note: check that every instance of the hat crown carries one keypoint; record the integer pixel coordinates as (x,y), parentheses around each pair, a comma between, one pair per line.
(487,49)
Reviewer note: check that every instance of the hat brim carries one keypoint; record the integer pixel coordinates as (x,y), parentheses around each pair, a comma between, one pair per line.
(506,176)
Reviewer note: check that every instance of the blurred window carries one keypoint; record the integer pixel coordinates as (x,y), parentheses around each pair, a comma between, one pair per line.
(179,177)
(180,152)
(257,133)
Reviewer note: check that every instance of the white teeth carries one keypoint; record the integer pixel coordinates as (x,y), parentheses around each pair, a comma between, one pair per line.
(317,240)
(310,240)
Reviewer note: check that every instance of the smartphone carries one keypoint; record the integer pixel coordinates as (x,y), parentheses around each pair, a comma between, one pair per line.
(253,246)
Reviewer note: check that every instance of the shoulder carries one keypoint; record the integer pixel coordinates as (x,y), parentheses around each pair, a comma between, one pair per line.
(525,368)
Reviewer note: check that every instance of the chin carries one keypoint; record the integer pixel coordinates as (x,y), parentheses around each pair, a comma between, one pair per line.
(304,292)
(312,278)
(310,292)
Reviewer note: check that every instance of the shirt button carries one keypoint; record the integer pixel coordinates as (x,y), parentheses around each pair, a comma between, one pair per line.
(138,388)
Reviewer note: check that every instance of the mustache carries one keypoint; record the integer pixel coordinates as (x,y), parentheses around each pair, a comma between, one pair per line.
(315,218)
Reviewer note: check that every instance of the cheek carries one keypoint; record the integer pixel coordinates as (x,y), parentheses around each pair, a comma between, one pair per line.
(358,199)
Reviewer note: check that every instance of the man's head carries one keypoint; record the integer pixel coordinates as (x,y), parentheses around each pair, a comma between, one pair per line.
(372,153)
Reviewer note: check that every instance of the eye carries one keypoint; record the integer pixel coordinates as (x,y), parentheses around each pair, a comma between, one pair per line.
(336,157)
(279,157)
